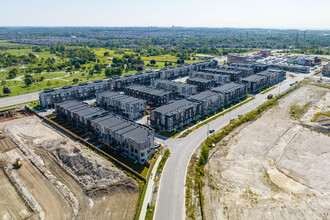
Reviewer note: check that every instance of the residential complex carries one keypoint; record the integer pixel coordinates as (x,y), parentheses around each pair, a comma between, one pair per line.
(179,89)
(262,80)
(232,92)
(126,136)
(124,105)
(219,79)
(202,84)
(234,75)
(154,97)
(175,114)
(81,91)
(211,101)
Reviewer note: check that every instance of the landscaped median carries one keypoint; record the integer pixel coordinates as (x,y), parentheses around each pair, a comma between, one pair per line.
(195,171)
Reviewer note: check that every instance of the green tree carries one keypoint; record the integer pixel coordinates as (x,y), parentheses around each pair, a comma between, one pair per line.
(106,53)
(91,72)
(77,65)
(97,67)
(6,90)
(153,62)
(12,73)
(108,72)
(28,80)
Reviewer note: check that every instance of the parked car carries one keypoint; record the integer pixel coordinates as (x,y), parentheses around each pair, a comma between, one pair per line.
(240,115)
(211,131)
(232,119)
(270,96)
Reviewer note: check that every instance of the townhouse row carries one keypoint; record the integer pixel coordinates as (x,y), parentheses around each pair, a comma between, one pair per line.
(127,137)
(262,80)
(154,97)
(121,104)
(81,91)
(178,89)
(179,113)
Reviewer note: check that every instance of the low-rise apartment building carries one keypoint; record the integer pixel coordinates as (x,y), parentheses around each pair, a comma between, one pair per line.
(179,89)
(81,91)
(232,92)
(154,97)
(126,136)
(121,104)
(202,84)
(174,115)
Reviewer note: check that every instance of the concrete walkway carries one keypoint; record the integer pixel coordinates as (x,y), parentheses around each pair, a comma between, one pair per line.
(148,195)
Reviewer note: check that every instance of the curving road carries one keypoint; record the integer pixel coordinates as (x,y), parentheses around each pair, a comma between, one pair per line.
(171,198)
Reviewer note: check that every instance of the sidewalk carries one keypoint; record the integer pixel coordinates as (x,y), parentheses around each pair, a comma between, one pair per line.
(148,195)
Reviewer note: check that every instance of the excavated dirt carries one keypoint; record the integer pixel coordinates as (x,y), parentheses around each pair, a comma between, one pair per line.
(67,180)
(272,168)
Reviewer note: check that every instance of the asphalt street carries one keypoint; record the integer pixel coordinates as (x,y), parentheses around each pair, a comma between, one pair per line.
(19,99)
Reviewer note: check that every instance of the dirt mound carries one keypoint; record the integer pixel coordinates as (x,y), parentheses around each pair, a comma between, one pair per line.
(89,171)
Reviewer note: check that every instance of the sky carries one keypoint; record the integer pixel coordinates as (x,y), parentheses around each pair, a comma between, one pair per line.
(282,14)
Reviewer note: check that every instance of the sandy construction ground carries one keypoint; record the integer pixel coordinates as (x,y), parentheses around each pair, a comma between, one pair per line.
(273,168)
(60,178)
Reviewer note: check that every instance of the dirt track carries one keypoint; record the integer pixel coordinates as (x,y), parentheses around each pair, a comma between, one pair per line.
(11,204)
(272,168)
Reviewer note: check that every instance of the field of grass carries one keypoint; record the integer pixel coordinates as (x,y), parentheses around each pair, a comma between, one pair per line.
(27,51)
(19,88)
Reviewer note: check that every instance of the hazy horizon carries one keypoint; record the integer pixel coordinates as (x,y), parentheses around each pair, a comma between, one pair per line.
(281,14)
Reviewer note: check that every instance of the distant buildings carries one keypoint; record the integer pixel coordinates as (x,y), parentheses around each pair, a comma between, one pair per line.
(265,52)
(129,138)
(304,60)
(239,58)
(291,68)
(124,105)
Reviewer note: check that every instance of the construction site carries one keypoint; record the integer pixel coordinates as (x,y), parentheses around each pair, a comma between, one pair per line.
(46,174)
(275,167)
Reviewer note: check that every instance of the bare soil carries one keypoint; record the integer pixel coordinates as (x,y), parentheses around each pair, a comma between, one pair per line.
(67,180)
(272,168)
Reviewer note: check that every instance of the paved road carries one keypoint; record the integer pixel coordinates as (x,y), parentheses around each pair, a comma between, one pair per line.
(19,99)
(171,197)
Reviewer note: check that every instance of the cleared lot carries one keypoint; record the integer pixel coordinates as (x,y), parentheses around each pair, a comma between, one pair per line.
(273,168)
(64,178)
